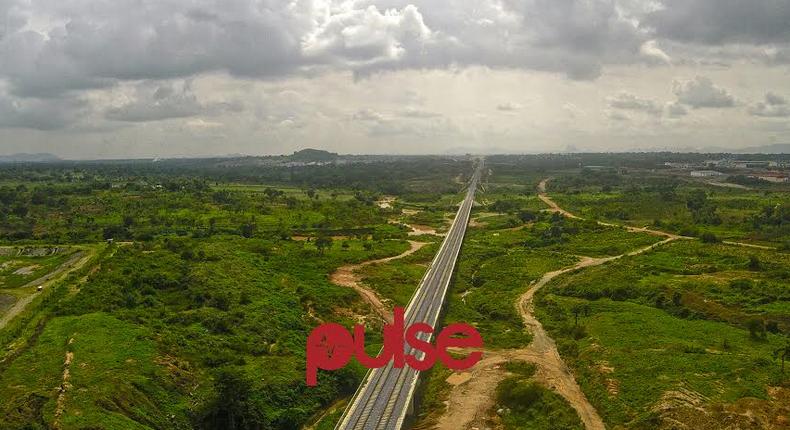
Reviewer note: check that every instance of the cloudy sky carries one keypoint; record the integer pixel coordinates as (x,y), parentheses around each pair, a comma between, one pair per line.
(140,78)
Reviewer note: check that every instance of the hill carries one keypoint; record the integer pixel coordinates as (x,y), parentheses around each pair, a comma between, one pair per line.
(310,154)
(29,158)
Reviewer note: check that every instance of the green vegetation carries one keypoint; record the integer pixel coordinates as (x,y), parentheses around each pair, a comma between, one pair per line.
(525,404)
(18,270)
(675,204)
(398,279)
(686,316)
(197,314)
(201,321)
(218,309)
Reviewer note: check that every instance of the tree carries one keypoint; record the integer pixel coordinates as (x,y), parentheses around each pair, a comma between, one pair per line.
(756,328)
(527,216)
(20,210)
(709,237)
(754,263)
(696,200)
(702,210)
(323,242)
(311,193)
(783,353)
(272,194)
(233,407)
(579,309)
(247,229)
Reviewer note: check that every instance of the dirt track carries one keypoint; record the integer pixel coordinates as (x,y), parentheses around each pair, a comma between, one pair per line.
(346,276)
(472,394)
(73,263)
(552,370)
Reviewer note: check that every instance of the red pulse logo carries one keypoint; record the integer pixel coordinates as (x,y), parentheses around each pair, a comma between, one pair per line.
(331,346)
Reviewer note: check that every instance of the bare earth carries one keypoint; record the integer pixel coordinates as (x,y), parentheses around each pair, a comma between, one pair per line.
(73,263)
(346,276)
(472,393)
(64,386)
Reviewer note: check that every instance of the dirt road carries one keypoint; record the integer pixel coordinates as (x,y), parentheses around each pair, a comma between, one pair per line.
(552,370)
(554,207)
(73,263)
(471,396)
(346,276)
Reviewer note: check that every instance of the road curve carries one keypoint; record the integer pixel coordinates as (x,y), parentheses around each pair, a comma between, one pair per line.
(385,397)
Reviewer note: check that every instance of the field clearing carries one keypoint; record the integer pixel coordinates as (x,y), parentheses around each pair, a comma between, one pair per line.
(18,270)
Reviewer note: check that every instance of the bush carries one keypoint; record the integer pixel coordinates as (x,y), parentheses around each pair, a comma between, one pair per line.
(518,394)
(756,328)
(709,237)
(568,348)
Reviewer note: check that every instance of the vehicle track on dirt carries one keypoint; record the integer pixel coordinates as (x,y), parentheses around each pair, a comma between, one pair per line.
(347,276)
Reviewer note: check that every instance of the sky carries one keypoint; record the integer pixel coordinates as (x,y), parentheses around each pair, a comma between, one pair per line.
(172,78)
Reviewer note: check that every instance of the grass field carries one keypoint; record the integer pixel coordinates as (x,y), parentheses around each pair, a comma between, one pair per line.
(199,319)
(18,270)
(674,320)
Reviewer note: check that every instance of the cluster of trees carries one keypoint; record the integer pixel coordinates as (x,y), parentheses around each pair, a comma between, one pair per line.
(775,215)
(210,295)
(703,211)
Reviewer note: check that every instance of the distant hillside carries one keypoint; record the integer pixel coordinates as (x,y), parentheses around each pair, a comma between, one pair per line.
(777,148)
(313,155)
(29,158)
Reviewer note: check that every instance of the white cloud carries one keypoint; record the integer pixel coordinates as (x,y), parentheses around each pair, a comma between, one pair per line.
(676,110)
(297,71)
(653,53)
(774,106)
(366,37)
(509,106)
(367,115)
(617,116)
(700,92)
(626,101)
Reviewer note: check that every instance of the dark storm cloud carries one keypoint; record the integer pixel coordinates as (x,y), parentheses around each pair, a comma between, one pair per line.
(721,21)
(572,37)
(166,101)
(59,49)
(38,114)
(95,45)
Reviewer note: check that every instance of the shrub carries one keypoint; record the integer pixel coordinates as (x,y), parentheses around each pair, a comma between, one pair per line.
(518,394)
(709,237)
(754,263)
(756,328)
